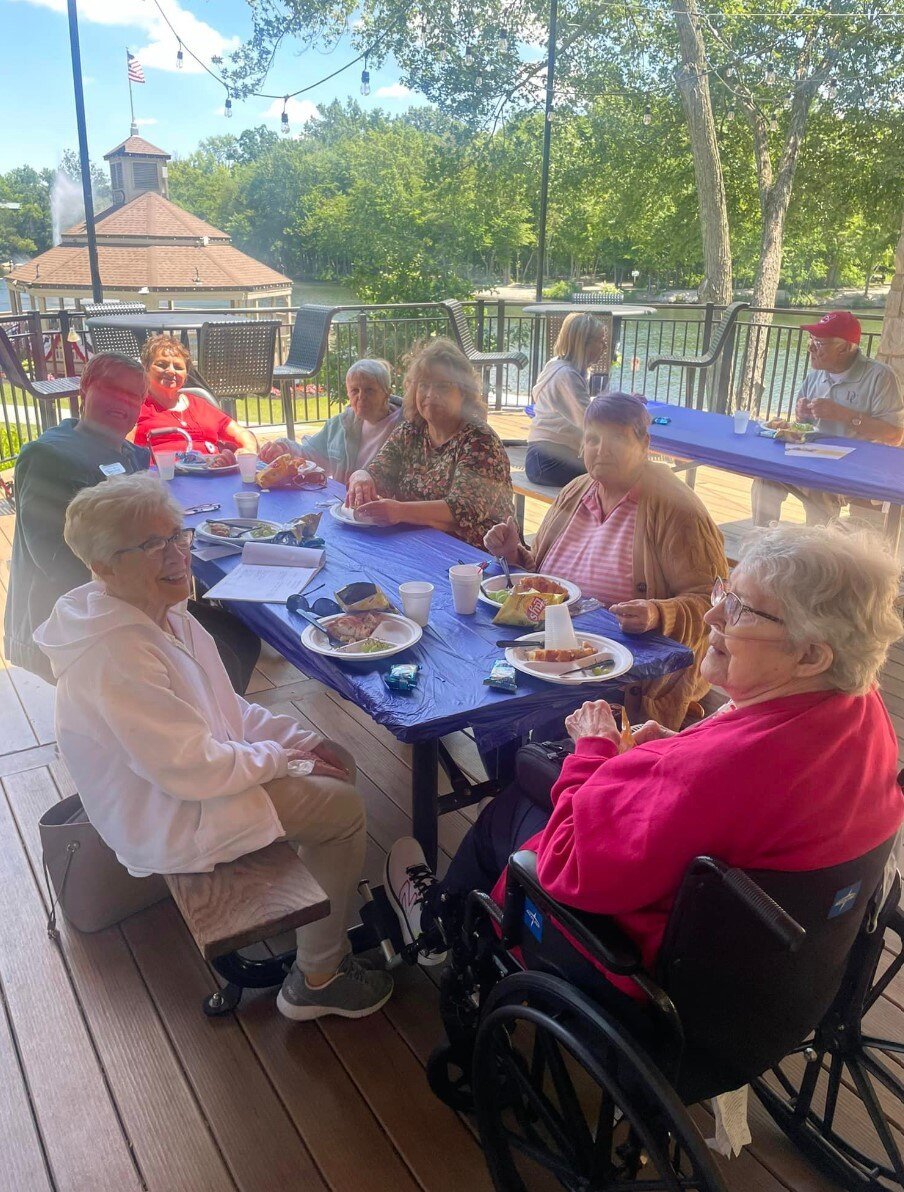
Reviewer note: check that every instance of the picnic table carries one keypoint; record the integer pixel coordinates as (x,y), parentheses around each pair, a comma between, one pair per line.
(455,653)
(872,470)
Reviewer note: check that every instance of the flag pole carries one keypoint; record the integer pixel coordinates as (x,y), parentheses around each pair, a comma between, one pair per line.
(134,127)
(75,52)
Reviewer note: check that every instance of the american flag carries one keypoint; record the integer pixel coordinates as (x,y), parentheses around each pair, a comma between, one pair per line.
(136,74)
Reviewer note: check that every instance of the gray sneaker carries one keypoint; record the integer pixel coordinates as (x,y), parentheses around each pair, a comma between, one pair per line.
(354,992)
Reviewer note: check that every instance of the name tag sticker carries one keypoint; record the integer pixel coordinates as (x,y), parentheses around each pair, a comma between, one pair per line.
(112,470)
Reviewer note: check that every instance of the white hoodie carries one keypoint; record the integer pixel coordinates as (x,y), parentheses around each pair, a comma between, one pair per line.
(168,760)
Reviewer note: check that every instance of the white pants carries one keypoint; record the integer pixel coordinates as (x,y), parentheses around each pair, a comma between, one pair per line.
(324,818)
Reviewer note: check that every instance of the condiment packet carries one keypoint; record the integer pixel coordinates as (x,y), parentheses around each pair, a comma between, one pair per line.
(502,677)
(402,677)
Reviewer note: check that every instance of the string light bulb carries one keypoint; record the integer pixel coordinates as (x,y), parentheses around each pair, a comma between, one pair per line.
(773,125)
(227,110)
(647,115)
(180,57)
(469,56)
(831,89)
(770,78)
(478,79)
(365,79)
(284,118)
(502,41)
(730,72)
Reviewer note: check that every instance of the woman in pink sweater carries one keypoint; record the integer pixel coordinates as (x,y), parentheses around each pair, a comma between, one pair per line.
(796,772)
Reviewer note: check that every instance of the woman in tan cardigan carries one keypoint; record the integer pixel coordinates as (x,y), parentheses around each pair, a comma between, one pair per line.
(637,538)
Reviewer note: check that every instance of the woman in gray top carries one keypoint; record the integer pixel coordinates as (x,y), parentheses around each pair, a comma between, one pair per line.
(560,398)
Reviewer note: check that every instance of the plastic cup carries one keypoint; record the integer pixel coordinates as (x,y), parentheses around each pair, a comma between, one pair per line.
(247,461)
(741,419)
(465,580)
(559,629)
(166,464)
(246,503)
(416,596)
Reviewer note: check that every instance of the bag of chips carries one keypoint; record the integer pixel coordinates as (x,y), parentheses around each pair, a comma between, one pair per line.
(524,608)
(362,597)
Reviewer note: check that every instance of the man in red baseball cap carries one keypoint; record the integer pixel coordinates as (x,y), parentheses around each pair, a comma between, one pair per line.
(848,396)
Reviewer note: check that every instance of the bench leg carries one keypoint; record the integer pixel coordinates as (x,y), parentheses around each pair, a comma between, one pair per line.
(243,973)
(425,797)
(224,1001)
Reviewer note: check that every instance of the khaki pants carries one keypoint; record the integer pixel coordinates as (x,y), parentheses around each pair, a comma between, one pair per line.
(324,819)
(767,498)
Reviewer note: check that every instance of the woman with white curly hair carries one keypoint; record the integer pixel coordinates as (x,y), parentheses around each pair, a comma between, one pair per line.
(796,772)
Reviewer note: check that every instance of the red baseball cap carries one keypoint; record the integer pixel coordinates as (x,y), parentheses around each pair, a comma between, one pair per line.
(840,324)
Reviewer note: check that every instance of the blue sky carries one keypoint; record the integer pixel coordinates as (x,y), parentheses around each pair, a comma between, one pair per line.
(175,108)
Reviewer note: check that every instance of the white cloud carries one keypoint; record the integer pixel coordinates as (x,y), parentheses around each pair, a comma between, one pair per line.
(146,121)
(159,52)
(393,91)
(300,112)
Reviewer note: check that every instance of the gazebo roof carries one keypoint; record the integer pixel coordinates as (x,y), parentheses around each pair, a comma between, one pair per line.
(148,217)
(137,145)
(165,267)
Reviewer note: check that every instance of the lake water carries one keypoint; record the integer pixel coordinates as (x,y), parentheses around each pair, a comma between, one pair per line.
(329,293)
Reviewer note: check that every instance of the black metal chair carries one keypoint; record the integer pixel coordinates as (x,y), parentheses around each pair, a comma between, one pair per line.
(307,352)
(720,351)
(114,339)
(461,332)
(45,393)
(572,1079)
(237,358)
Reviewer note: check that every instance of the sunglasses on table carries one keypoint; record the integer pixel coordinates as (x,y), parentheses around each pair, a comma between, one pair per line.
(156,545)
(733,607)
(321,607)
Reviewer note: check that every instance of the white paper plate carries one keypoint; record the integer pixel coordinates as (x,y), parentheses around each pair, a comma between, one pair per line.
(399,631)
(498,581)
(342,513)
(202,534)
(204,469)
(621,655)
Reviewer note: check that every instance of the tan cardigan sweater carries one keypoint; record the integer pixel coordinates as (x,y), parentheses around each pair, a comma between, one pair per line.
(678,553)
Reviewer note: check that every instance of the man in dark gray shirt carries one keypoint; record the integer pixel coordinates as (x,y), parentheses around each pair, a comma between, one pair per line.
(847,395)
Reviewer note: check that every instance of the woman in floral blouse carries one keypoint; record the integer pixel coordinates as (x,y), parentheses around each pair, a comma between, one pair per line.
(443,466)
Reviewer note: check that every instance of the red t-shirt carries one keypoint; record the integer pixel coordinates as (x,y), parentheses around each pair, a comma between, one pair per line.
(204,422)
(792,784)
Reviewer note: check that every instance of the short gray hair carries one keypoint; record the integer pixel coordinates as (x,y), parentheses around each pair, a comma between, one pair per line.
(113,514)
(379,370)
(836,586)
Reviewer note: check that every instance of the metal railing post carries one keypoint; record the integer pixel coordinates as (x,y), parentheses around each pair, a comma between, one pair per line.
(362,336)
(707,336)
(478,330)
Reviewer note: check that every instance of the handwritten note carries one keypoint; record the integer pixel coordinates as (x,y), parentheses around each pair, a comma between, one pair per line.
(268,574)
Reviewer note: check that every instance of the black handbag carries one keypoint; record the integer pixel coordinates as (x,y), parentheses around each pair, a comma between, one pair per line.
(538,765)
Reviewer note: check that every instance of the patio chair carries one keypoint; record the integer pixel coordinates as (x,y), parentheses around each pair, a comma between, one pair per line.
(236,359)
(603,363)
(45,393)
(307,349)
(114,339)
(720,349)
(461,331)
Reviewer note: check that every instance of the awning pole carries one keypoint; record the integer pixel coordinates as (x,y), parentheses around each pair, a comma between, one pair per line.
(96,290)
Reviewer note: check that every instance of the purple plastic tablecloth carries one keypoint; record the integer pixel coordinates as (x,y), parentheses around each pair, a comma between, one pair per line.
(455,653)
(871,470)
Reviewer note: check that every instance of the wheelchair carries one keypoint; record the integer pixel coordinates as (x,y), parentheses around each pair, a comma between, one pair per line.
(763,978)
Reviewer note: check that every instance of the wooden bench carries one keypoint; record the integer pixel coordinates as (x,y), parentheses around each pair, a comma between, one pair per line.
(247,900)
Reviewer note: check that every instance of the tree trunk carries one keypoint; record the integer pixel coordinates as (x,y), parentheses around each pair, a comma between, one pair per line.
(693,86)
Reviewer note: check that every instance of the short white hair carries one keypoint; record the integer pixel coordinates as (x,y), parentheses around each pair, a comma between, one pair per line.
(834,585)
(115,514)
(379,370)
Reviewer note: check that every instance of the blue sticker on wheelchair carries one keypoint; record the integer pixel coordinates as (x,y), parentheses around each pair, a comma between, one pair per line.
(844,900)
(533,919)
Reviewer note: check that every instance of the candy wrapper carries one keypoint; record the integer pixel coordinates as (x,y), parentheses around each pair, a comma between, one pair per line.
(626,737)
(301,531)
(364,597)
(502,677)
(402,677)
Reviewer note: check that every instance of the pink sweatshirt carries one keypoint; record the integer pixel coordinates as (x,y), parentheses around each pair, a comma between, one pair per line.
(799,783)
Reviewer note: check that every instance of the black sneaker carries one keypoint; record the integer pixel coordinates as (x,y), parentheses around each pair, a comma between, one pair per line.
(408,879)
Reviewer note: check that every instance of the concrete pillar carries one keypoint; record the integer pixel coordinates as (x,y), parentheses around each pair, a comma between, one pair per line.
(891,343)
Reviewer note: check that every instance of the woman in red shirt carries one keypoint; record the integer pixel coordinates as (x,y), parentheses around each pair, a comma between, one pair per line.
(796,772)
(212,431)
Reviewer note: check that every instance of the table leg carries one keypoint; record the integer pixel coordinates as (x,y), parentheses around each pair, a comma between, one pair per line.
(424,797)
(893,527)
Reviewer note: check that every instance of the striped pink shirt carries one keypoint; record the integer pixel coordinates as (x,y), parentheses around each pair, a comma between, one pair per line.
(595,553)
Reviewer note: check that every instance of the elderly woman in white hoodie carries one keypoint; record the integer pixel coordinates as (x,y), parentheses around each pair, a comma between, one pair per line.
(176,771)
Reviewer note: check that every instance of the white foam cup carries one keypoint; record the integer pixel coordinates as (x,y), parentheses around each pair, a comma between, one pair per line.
(247,461)
(465,580)
(741,419)
(246,503)
(559,629)
(416,596)
(166,464)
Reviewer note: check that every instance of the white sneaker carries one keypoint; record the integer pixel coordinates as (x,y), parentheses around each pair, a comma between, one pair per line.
(408,878)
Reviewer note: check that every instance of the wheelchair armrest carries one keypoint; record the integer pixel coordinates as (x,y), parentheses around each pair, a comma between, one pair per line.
(598,935)
(774,918)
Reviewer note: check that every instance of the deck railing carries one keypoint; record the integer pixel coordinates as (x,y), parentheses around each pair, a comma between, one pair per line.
(57,343)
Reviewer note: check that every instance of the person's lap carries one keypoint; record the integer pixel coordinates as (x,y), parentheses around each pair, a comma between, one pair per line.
(552,464)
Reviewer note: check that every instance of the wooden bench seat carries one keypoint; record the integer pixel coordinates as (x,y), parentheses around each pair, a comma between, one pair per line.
(247,900)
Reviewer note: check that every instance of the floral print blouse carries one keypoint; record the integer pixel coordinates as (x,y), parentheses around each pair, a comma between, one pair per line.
(470,472)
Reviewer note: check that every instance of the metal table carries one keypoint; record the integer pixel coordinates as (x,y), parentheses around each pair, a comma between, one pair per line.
(587,308)
(153,322)
(455,653)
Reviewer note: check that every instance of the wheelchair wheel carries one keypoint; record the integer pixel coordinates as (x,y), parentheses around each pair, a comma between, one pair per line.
(565,1098)
(449,1077)
(802,1093)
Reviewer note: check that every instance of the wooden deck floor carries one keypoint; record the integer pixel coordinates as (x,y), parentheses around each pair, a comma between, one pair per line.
(111,1077)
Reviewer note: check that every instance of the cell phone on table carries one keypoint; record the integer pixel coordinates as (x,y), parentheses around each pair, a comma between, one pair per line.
(661,421)
(200,509)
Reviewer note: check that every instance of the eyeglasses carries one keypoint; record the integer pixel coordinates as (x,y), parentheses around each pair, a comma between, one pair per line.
(156,545)
(734,606)
(321,607)
(440,388)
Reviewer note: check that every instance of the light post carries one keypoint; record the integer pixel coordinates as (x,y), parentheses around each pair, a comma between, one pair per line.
(635,273)
(547,133)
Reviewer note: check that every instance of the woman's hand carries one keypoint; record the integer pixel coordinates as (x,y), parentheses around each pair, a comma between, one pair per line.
(651,730)
(326,763)
(271,451)
(503,540)
(636,616)
(361,489)
(382,512)
(593,719)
